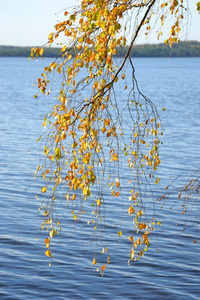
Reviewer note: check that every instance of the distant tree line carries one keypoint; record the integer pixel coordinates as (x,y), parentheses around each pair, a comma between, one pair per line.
(187,49)
(183,49)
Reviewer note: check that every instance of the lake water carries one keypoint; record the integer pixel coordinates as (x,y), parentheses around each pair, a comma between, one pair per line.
(173,273)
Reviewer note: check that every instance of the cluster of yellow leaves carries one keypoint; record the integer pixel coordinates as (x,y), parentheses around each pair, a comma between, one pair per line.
(81,123)
(175,9)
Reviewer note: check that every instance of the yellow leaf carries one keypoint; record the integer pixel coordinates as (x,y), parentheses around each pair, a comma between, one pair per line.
(54,65)
(50,36)
(99,202)
(76,160)
(48,253)
(138,242)
(140,213)
(145,238)
(64,48)
(59,70)
(96,85)
(103,129)
(141,253)
(94,261)
(45,212)
(73,197)
(44,189)
(52,233)
(57,153)
(41,51)
(63,136)
(120,233)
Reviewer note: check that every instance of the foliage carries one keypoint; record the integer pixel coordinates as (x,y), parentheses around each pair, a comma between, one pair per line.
(90,132)
(198,6)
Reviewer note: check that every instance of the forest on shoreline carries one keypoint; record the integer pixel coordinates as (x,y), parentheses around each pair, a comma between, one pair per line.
(183,49)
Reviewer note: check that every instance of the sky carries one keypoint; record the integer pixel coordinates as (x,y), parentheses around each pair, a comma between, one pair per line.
(28,23)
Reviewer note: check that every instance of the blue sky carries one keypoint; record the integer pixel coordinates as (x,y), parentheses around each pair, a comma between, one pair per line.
(28,23)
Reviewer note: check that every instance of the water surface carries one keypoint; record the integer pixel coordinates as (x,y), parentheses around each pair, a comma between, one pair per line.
(173,273)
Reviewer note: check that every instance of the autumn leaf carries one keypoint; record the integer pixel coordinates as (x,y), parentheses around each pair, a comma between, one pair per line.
(96,85)
(145,238)
(47,241)
(41,50)
(107,122)
(57,153)
(59,70)
(52,233)
(140,213)
(142,226)
(44,189)
(50,36)
(79,47)
(103,268)
(117,182)
(99,202)
(131,210)
(117,194)
(120,233)
(48,253)
(103,129)
(91,126)
(131,238)
(73,197)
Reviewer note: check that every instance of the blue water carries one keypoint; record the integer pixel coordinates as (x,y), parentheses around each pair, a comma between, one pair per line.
(173,273)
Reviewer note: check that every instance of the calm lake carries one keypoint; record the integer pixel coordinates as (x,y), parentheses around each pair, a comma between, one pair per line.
(173,273)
